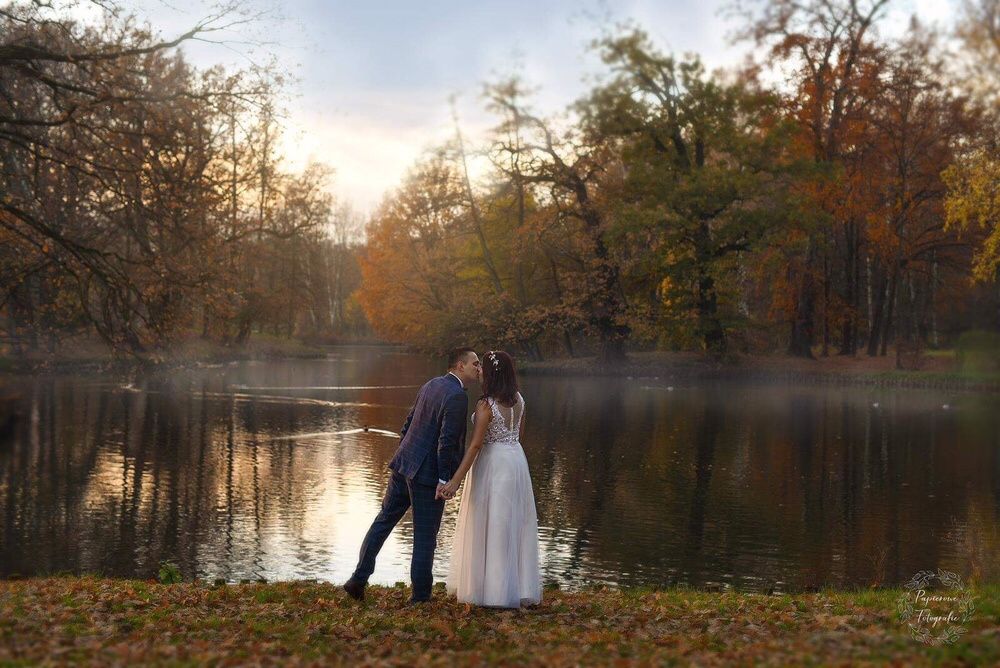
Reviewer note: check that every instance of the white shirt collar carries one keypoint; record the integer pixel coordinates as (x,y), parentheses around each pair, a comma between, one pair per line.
(458,379)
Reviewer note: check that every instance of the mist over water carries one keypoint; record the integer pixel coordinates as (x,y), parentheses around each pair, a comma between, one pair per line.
(275,469)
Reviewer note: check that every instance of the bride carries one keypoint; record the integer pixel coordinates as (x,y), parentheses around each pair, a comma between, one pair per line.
(494,556)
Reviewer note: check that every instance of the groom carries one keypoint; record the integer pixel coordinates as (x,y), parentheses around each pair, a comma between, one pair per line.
(433,438)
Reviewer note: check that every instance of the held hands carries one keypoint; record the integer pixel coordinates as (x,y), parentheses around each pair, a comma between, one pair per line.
(448,490)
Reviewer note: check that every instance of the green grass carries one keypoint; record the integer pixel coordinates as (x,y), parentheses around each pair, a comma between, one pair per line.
(102,621)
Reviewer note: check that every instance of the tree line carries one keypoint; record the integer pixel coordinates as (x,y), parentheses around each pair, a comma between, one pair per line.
(836,196)
(839,195)
(144,200)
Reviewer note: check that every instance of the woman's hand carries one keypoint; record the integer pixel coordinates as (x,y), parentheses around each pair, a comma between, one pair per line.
(451,487)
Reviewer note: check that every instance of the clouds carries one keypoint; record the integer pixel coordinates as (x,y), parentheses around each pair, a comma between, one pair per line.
(375,94)
(374,78)
(374,90)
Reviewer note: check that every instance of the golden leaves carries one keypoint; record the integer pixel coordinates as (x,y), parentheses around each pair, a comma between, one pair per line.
(114,621)
(974,202)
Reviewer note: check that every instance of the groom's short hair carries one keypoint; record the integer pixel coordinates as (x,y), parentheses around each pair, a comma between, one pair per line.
(456,355)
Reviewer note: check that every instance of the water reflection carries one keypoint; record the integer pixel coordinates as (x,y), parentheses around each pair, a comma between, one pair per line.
(275,470)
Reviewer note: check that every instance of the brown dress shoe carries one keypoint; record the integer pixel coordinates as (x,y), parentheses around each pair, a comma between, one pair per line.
(355,589)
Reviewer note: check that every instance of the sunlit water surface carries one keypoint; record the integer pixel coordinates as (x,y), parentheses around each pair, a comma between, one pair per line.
(265,470)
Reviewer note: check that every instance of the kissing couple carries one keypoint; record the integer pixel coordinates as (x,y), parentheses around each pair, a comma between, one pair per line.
(494,555)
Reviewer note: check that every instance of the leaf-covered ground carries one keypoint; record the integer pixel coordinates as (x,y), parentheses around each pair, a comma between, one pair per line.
(103,621)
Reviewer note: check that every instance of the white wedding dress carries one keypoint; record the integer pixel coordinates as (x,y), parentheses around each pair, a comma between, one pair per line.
(494,556)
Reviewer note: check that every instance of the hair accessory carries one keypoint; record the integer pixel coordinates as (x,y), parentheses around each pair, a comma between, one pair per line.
(493,358)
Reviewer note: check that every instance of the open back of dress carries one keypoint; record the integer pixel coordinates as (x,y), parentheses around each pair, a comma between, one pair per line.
(494,557)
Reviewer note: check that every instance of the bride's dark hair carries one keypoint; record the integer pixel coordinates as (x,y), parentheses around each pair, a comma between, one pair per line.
(499,377)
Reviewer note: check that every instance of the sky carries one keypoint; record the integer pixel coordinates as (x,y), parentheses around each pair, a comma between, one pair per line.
(373,79)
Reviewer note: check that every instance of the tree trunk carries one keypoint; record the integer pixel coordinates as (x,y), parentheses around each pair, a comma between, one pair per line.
(877,311)
(849,329)
(612,350)
(712,334)
(31,294)
(826,305)
(890,305)
(932,290)
(801,337)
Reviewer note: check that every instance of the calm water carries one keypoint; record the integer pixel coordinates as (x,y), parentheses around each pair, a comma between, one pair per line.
(261,469)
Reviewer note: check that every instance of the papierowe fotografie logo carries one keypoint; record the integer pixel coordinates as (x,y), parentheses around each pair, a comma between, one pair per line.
(935,607)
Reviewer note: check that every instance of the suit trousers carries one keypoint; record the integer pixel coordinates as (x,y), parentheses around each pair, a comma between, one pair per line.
(401,494)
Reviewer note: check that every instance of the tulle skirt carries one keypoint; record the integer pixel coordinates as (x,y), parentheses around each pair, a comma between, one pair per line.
(494,556)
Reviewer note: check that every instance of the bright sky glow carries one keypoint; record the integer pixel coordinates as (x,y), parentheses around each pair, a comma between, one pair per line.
(373,79)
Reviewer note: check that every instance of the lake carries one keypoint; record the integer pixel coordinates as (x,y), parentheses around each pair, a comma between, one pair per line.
(264,469)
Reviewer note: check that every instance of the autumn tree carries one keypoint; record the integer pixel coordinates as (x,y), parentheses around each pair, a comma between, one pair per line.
(978,29)
(974,180)
(974,202)
(141,193)
(834,56)
(918,126)
(704,164)
(568,171)
(411,266)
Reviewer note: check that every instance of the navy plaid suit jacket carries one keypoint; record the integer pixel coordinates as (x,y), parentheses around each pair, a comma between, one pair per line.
(433,436)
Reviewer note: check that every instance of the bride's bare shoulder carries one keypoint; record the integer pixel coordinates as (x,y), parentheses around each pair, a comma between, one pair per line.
(482,415)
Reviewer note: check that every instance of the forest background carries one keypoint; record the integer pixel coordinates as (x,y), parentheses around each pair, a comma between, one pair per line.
(838,195)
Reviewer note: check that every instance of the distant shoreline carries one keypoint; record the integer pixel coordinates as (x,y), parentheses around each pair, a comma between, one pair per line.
(862,371)
(859,371)
(91,356)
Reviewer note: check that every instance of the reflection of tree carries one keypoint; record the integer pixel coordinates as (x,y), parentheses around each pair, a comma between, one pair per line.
(707,431)
(802,433)
(258,548)
(600,506)
(42,482)
(602,482)
(230,455)
(805,488)
(631,484)
(193,528)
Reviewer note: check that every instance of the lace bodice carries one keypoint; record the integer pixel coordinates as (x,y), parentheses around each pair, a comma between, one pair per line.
(506,423)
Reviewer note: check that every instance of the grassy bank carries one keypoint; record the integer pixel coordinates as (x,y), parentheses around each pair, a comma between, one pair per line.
(936,371)
(102,621)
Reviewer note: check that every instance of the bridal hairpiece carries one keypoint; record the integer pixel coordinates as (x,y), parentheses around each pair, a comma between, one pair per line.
(493,358)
